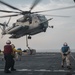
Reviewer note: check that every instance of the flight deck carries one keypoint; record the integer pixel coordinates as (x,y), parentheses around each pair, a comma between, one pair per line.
(40,64)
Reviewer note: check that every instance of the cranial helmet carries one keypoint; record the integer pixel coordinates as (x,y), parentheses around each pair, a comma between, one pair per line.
(13,46)
(8,42)
(18,48)
(65,44)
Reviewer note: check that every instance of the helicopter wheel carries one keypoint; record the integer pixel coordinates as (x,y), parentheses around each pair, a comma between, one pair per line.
(29,37)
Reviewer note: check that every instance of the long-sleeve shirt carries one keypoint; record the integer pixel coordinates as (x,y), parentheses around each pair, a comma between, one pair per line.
(15,50)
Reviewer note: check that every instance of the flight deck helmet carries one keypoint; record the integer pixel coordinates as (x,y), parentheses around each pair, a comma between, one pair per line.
(65,44)
(8,42)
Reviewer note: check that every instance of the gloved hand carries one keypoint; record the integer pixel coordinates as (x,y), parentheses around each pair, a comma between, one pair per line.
(65,54)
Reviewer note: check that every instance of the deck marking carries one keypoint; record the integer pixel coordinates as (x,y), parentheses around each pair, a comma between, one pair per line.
(43,70)
(40,70)
(24,70)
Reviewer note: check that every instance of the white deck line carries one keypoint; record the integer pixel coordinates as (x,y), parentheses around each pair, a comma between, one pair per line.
(41,70)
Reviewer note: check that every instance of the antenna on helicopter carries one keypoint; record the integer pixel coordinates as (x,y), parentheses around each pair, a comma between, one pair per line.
(51,26)
(8,21)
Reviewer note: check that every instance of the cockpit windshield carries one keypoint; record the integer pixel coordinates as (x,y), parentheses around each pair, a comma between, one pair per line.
(42,18)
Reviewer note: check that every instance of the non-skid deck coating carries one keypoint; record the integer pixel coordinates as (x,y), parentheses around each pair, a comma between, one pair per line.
(40,64)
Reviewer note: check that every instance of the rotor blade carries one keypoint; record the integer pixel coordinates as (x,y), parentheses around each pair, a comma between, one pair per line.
(55,9)
(8,11)
(9,15)
(0,28)
(10,6)
(34,4)
(1,24)
(55,15)
(8,21)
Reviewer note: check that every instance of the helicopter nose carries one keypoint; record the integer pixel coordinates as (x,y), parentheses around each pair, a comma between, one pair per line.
(44,28)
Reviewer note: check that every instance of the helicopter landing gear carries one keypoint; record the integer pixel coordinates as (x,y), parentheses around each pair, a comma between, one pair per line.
(44,29)
(29,50)
(29,37)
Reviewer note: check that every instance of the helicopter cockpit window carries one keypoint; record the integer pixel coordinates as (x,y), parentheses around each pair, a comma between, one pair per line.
(41,18)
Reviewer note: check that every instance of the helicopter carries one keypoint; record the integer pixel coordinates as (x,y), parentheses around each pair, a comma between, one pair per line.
(26,27)
(30,23)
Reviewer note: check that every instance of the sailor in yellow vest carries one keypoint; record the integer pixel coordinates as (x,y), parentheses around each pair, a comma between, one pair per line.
(13,54)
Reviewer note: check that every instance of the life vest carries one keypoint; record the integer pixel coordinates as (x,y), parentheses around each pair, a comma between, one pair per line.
(8,49)
(65,49)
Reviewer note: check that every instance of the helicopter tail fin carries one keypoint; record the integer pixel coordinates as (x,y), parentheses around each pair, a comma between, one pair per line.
(3,27)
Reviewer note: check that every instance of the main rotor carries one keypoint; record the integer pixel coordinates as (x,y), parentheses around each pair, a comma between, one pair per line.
(21,12)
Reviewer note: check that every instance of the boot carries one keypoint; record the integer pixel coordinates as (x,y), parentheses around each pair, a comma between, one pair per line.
(69,67)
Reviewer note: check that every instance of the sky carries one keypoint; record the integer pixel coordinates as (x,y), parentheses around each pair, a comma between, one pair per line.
(53,39)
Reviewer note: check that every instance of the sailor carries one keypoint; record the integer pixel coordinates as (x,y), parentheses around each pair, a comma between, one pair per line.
(2,55)
(0,51)
(65,52)
(14,53)
(8,57)
(19,54)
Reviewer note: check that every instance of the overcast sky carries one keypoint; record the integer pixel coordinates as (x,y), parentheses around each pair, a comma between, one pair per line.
(63,31)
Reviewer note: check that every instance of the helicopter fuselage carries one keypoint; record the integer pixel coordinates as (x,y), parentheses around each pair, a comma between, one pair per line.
(31,25)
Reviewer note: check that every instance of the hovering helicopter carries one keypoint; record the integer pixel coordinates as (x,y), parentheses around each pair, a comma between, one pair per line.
(30,24)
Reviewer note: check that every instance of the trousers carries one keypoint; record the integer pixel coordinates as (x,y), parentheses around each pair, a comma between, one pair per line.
(66,58)
(9,62)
